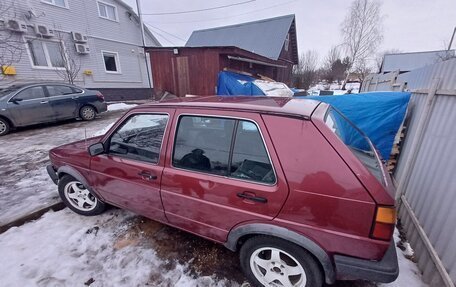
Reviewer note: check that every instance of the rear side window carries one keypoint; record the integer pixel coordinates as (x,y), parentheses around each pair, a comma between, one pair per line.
(355,140)
(59,90)
(220,146)
(139,138)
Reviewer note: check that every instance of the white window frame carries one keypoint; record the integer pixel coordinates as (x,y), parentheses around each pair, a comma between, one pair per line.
(107,4)
(116,59)
(46,54)
(52,2)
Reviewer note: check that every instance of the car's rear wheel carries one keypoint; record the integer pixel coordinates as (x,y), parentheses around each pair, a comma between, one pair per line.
(78,198)
(270,261)
(87,113)
(4,127)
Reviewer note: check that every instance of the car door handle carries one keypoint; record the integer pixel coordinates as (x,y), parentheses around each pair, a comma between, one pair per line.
(75,97)
(251,197)
(44,102)
(147,175)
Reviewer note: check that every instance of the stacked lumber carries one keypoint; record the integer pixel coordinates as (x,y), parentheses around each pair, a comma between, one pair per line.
(396,150)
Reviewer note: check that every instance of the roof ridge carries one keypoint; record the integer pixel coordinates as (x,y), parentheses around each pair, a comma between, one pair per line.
(245,23)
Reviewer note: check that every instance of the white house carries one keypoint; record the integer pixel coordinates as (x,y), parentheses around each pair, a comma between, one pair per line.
(102,37)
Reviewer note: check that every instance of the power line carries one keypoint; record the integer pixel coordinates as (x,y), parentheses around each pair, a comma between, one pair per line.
(166,39)
(231,16)
(199,10)
(172,35)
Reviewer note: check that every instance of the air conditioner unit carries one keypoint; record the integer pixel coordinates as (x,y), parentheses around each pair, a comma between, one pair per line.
(79,37)
(17,26)
(44,31)
(82,49)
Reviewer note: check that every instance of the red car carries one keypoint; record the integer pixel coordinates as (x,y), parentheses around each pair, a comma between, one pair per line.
(290,183)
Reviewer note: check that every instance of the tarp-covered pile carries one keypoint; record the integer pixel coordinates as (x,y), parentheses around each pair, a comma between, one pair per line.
(378,114)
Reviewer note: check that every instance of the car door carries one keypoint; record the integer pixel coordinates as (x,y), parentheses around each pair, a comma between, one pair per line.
(129,174)
(62,100)
(219,173)
(30,106)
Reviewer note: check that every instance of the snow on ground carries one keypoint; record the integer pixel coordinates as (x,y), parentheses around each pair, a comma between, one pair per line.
(25,184)
(409,275)
(120,106)
(66,249)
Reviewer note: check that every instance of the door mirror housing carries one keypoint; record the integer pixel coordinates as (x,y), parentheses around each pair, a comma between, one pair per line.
(96,149)
(16,100)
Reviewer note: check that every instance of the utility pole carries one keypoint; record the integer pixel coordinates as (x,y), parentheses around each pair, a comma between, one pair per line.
(452,38)
(138,6)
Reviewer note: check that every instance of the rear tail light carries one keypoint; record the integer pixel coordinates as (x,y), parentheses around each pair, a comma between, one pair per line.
(100,97)
(384,223)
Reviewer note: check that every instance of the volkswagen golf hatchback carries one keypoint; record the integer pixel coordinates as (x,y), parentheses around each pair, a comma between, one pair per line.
(291,184)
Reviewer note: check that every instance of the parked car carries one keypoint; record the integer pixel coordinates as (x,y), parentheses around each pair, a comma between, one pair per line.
(28,104)
(290,183)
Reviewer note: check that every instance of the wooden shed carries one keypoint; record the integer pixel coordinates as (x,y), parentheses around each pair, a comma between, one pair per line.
(266,47)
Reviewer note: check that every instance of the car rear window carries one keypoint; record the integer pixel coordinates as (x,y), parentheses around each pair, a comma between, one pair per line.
(358,143)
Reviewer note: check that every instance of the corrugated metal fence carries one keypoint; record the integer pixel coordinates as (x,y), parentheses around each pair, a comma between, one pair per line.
(426,170)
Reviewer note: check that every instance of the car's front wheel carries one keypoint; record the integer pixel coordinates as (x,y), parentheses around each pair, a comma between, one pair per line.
(4,127)
(87,113)
(270,261)
(78,198)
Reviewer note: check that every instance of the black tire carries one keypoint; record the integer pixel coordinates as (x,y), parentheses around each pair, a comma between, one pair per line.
(87,113)
(78,198)
(291,258)
(4,127)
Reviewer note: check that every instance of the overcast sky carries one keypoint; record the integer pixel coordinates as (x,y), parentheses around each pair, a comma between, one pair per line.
(409,25)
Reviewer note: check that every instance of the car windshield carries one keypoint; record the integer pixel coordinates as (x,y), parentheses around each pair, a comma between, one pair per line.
(5,92)
(356,141)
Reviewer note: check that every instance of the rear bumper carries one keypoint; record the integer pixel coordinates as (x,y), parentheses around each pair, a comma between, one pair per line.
(384,271)
(52,173)
(101,107)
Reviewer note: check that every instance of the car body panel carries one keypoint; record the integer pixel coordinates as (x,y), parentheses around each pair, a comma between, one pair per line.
(119,182)
(209,204)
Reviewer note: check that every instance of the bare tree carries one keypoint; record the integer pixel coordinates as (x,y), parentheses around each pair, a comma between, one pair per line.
(69,64)
(362,32)
(305,73)
(334,66)
(11,44)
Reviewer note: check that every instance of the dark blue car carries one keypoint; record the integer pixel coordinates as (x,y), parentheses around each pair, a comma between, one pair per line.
(28,104)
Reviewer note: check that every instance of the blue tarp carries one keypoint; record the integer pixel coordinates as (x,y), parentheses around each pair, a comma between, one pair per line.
(233,84)
(378,114)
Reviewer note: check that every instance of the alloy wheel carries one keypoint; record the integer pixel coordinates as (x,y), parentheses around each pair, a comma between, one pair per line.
(79,196)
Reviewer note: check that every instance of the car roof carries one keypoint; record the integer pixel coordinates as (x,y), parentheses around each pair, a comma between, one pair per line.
(302,108)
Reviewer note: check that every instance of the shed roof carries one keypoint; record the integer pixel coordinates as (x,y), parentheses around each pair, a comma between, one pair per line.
(263,37)
(405,62)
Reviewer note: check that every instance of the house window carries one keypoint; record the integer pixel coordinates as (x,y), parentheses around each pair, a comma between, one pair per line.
(46,54)
(111,62)
(287,42)
(107,11)
(60,3)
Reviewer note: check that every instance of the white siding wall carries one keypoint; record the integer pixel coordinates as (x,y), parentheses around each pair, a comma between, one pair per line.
(123,37)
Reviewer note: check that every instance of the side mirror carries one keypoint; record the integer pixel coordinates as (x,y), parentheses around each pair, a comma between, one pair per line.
(16,100)
(96,149)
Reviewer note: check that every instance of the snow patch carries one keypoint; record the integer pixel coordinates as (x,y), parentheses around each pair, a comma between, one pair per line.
(120,106)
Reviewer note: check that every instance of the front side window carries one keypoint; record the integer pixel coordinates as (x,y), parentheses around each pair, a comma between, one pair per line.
(60,3)
(139,138)
(111,62)
(46,53)
(227,147)
(59,90)
(203,144)
(107,11)
(30,94)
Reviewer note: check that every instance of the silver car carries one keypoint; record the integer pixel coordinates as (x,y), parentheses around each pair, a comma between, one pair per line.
(28,104)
